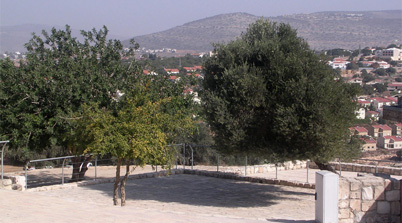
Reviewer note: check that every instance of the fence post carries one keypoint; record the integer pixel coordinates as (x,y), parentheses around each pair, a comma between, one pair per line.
(276,170)
(376,167)
(26,175)
(96,165)
(192,157)
(308,164)
(62,172)
(245,168)
(217,163)
(340,167)
(184,156)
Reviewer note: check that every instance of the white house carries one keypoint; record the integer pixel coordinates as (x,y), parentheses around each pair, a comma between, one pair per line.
(391,53)
(389,142)
(338,63)
(360,113)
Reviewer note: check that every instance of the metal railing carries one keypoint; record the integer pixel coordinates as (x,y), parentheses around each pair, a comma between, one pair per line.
(64,158)
(2,157)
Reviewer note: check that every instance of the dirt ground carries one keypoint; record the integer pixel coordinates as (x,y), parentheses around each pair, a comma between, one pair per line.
(11,168)
(176,198)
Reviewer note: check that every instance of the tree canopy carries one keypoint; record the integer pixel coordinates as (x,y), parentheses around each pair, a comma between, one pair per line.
(268,93)
(59,74)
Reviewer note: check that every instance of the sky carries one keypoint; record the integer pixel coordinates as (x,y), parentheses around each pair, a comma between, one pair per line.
(129,18)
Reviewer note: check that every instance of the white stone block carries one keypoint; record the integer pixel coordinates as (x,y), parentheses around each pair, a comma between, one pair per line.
(367,193)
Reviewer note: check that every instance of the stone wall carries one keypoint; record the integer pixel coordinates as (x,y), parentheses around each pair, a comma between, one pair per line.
(264,168)
(369,199)
(364,168)
(13,183)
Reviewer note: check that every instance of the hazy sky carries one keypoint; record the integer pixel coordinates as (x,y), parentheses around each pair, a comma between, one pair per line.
(130,18)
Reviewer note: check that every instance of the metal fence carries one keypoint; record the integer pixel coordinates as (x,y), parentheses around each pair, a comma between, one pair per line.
(187,156)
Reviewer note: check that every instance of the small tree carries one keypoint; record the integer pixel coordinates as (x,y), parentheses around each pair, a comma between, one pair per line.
(380,72)
(390,71)
(137,134)
(267,93)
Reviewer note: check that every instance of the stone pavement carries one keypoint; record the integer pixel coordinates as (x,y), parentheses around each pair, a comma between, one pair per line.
(176,198)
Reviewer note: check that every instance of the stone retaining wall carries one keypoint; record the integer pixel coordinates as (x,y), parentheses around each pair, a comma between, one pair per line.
(369,199)
(263,168)
(364,168)
(13,183)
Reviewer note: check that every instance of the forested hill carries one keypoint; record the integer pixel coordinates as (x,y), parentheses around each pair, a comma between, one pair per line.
(322,30)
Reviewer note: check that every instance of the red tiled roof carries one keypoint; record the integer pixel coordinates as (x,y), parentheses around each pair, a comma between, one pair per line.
(395,138)
(383,127)
(369,141)
(383,100)
(395,85)
(172,70)
(172,77)
(145,71)
(361,129)
(189,68)
(363,102)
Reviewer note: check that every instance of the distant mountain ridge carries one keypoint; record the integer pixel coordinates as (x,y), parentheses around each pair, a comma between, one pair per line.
(322,30)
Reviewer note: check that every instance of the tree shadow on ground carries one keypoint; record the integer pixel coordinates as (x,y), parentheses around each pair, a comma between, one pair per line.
(206,191)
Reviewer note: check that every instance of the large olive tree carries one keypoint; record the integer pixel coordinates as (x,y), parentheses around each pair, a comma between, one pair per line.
(268,93)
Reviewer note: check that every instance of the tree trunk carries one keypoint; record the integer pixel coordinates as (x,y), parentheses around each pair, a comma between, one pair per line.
(80,167)
(325,166)
(123,185)
(84,167)
(116,183)
(76,169)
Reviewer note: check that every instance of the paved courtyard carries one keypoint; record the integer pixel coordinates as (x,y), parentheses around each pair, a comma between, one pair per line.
(176,198)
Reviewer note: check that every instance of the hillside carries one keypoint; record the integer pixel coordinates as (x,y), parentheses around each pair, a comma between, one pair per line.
(322,30)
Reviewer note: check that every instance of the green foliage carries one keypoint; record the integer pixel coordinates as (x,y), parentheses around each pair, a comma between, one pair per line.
(338,52)
(352,66)
(380,88)
(393,63)
(366,52)
(393,45)
(399,154)
(59,75)
(380,72)
(267,93)
(368,89)
(390,71)
(367,77)
(158,63)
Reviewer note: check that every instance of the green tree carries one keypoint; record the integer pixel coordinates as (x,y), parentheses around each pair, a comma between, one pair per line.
(380,88)
(352,66)
(393,63)
(59,75)
(367,77)
(267,93)
(380,72)
(390,71)
(137,134)
(367,52)
(392,46)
